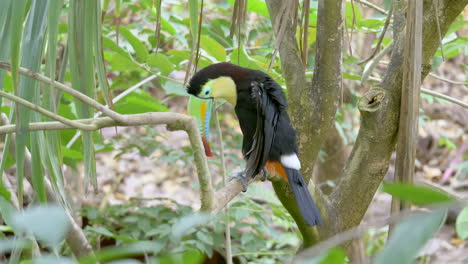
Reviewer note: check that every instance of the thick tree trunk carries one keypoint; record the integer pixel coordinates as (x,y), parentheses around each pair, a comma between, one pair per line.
(313,108)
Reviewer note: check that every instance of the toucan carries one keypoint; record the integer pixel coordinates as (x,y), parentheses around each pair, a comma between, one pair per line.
(269,140)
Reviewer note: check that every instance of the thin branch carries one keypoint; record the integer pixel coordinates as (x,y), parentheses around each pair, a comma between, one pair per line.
(445,97)
(360,230)
(114,100)
(76,239)
(435,94)
(435,76)
(447,80)
(435,4)
(174,121)
(371,65)
(371,5)
(227,239)
(75,93)
(45,112)
(305,36)
(381,37)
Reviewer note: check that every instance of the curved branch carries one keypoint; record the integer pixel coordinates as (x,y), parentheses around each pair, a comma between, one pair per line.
(172,120)
(75,93)
(46,112)
(75,239)
(379,108)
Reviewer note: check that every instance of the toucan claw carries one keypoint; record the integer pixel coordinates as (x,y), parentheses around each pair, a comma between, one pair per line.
(265,174)
(240,176)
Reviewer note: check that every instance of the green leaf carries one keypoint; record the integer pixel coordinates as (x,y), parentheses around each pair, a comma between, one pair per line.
(409,236)
(137,103)
(350,76)
(82,21)
(205,238)
(174,88)
(111,45)
(372,23)
(186,224)
(8,245)
(122,63)
(240,57)
(52,259)
(455,26)
(193,12)
(32,49)
(71,153)
(332,256)
(213,48)
(417,195)
(125,251)
(161,62)
(138,46)
(462,224)
(49,224)
(186,257)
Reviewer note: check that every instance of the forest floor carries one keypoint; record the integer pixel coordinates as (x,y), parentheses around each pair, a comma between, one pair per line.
(165,170)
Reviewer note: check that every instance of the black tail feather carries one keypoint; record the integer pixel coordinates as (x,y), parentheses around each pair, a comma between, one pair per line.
(305,202)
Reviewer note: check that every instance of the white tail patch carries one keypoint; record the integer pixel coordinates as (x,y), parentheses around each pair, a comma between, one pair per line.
(291,161)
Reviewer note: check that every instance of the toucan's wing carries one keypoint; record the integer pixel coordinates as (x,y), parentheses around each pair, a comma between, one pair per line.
(270,102)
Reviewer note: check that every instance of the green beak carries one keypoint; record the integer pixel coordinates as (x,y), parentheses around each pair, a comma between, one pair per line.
(201,110)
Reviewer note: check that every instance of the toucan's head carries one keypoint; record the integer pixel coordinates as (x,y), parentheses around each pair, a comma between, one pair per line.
(217,81)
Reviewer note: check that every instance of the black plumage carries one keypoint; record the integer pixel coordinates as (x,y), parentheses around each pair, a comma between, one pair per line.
(268,135)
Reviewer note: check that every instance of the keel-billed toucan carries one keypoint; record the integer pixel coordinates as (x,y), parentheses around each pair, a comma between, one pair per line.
(269,139)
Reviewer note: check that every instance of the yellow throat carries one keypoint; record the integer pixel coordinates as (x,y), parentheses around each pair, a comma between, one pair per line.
(225,88)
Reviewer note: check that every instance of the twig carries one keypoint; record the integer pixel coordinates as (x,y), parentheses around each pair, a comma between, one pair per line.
(227,240)
(45,112)
(371,65)
(433,93)
(114,100)
(305,36)
(360,230)
(447,80)
(381,37)
(371,5)
(76,239)
(75,93)
(445,97)
(439,34)
(174,121)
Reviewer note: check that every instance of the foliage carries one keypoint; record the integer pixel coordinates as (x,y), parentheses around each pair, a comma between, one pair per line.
(39,35)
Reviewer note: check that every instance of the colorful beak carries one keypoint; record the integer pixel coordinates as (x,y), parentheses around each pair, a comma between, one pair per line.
(201,110)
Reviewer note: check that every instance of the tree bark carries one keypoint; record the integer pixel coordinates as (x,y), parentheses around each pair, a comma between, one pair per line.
(312,110)
(380,108)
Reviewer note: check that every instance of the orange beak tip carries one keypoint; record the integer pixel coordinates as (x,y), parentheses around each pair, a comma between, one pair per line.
(207,147)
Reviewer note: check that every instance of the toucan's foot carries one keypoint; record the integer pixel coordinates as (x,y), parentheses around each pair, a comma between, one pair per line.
(265,174)
(241,177)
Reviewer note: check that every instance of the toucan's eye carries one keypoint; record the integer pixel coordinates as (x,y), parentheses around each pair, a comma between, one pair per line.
(207,92)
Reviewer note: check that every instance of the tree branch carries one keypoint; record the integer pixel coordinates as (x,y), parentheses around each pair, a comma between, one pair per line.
(76,239)
(172,120)
(379,108)
(46,112)
(374,6)
(75,93)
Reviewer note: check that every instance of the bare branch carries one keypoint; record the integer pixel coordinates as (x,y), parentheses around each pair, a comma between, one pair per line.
(75,93)
(76,239)
(433,75)
(445,97)
(174,121)
(371,5)
(46,112)
(382,35)
(379,108)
